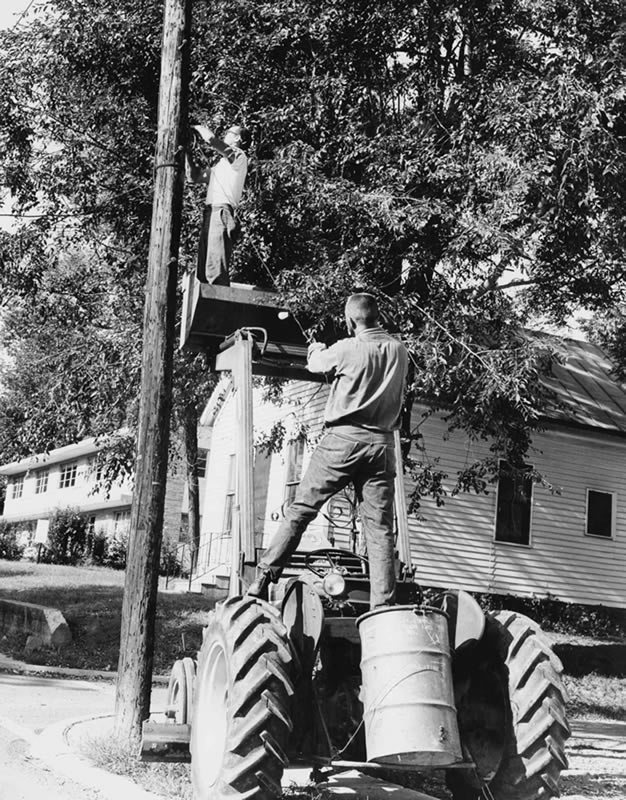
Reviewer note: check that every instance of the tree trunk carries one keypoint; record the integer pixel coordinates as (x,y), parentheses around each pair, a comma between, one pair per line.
(132,700)
(193,489)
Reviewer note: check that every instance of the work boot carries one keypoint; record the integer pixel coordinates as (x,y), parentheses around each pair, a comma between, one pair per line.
(259,587)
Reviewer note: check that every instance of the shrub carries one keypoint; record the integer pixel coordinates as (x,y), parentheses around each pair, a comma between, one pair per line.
(67,536)
(170,564)
(10,549)
(95,549)
(115,552)
(556,615)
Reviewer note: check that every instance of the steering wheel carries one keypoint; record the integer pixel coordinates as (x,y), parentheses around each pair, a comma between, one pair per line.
(332,556)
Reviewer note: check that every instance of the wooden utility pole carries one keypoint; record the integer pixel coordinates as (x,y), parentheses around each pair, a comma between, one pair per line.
(132,699)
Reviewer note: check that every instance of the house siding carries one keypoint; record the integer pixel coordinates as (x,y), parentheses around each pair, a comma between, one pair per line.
(303,403)
(454,545)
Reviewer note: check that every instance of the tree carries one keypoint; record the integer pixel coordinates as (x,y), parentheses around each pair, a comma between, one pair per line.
(463,160)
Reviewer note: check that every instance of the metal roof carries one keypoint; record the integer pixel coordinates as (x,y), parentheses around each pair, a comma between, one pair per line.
(587,390)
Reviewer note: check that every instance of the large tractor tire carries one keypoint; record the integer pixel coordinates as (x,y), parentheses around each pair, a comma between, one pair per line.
(241,713)
(511,708)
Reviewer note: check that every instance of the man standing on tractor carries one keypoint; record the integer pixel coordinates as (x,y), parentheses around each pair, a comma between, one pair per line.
(220,226)
(362,412)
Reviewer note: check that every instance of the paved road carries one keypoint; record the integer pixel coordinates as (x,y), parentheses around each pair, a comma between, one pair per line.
(36,702)
(23,777)
(30,704)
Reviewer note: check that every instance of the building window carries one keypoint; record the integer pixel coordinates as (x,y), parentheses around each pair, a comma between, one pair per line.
(95,468)
(514,503)
(41,484)
(201,462)
(17,485)
(68,475)
(229,503)
(121,523)
(295,454)
(599,513)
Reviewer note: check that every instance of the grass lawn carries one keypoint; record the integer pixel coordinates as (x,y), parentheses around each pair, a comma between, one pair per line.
(91,601)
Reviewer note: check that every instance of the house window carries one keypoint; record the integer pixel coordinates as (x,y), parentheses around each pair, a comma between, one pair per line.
(41,484)
(599,513)
(95,468)
(201,462)
(68,475)
(229,503)
(513,506)
(17,485)
(295,453)
(121,523)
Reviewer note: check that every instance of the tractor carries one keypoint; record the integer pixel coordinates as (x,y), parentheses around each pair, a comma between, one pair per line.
(313,677)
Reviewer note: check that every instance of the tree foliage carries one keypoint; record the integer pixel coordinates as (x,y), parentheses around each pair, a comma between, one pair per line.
(463,160)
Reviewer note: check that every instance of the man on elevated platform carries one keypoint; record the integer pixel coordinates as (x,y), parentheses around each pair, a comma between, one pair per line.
(225,181)
(362,412)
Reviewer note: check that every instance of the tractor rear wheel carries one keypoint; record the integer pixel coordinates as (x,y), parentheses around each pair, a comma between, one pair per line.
(180,691)
(511,709)
(241,713)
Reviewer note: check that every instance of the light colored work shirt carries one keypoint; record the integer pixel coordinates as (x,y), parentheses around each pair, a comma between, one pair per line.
(227,180)
(370,372)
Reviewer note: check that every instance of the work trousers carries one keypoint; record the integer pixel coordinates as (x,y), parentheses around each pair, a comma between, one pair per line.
(220,230)
(346,454)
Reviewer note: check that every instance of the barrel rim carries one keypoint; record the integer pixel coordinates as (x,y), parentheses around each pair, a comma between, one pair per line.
(416,609)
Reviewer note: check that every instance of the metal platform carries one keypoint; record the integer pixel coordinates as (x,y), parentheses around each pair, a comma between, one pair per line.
(211,314)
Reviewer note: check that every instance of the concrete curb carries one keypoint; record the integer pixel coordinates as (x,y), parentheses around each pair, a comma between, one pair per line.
(52,747)
(8,664)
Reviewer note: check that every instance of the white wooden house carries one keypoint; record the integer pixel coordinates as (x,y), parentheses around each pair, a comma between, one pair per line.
(568,541)
(69,477)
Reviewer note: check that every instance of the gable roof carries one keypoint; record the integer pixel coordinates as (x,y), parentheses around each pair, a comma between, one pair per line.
(587,391)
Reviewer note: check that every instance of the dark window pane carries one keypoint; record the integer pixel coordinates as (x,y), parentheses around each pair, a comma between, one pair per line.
(514,502)
(599,513)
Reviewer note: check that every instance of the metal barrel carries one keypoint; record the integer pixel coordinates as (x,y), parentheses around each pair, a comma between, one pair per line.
(407,693)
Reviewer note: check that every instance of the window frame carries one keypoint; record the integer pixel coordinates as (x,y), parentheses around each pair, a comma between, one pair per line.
(601,536)
(202,462)
(17,486)
(229,496)
(42,479)
(95,469)
(529,537)
(70,467)
(294,462)
(121,522)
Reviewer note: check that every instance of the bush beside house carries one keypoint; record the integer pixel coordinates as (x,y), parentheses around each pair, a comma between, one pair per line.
(10,548)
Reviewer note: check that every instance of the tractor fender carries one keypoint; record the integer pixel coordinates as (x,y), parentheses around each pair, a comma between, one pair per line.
(303,616)
(466,620)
